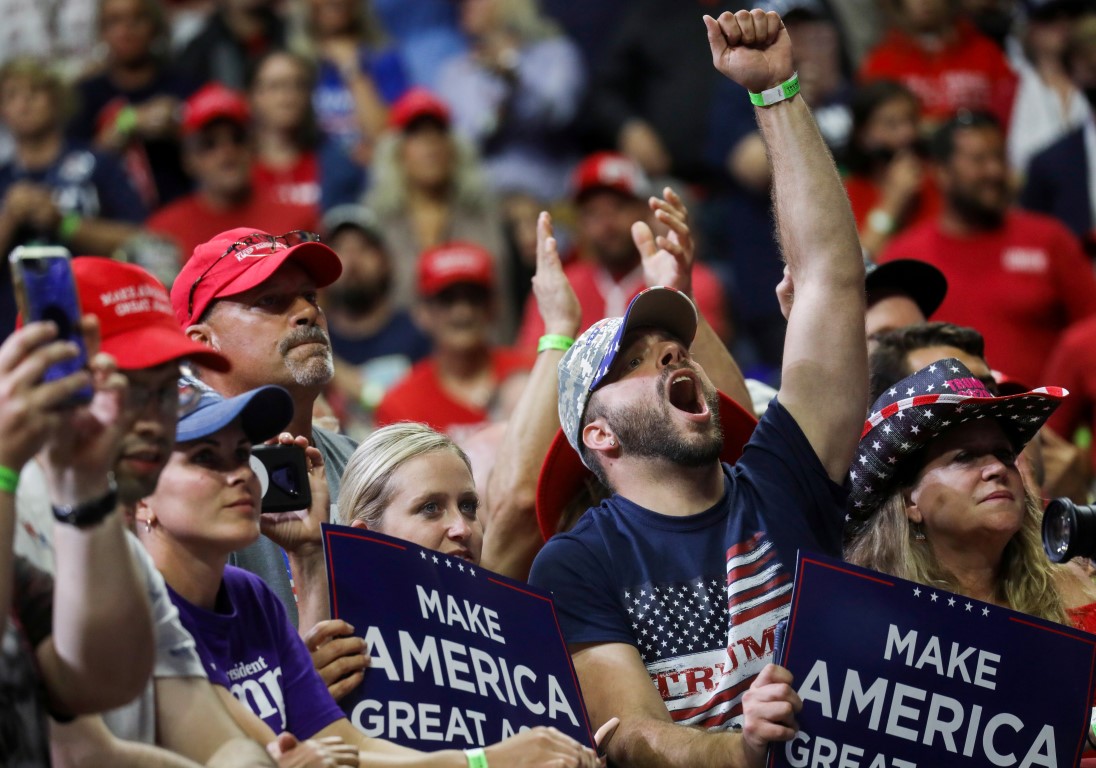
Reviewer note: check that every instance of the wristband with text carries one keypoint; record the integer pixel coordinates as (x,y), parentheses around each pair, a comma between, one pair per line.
(9,479)
(779,93)
(554,341)
(477,758)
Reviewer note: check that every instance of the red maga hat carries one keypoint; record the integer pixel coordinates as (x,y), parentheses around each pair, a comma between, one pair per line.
(452,263)
(213,102)
(417,103)
(136,320)
(240,259)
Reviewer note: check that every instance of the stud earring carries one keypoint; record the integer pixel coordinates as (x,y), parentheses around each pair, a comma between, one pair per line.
(612,443)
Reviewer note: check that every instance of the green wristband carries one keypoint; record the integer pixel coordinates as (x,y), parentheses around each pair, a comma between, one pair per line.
(70,222)
(782,92)
(126,120)
(477,758)
(554,341)
(9,479)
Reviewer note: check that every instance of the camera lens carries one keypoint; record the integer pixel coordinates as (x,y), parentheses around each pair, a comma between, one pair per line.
(1069,530)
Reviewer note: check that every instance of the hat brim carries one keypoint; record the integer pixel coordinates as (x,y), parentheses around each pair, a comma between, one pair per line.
(922,282)
(263,413)
(563,475)
(902,428)
(152,345)
(666,309)
(319,261)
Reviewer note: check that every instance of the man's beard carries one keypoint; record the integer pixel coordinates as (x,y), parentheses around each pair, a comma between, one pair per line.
(647,432)
(317,369)
(976,213)
(359,299)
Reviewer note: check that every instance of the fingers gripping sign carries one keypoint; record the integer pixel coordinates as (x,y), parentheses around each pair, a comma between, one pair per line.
(752,48)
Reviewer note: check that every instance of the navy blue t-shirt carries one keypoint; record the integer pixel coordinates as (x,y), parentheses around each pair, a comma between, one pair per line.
(699,596)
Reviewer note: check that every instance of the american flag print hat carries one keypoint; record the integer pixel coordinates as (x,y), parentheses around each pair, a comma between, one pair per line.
(924,405)
(583,367)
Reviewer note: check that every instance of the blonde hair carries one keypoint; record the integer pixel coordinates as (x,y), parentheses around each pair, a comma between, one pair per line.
(388,191)
(366,483)
(1026,579)
(303,37)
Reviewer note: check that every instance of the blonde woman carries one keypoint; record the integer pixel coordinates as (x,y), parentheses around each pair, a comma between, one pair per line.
(411,482)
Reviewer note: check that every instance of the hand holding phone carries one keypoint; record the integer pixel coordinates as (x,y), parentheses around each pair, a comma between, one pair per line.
(283,475)
(46,290)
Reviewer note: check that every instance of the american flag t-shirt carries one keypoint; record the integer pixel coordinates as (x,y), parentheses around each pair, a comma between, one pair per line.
(704,640)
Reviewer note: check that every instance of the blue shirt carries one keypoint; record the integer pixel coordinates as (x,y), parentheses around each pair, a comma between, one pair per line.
(699,596)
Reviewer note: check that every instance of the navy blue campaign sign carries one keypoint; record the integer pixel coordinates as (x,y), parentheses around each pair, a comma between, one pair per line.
(894,674)
(461,656)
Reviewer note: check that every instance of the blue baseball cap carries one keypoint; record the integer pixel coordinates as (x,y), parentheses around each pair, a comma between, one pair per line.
(263,412)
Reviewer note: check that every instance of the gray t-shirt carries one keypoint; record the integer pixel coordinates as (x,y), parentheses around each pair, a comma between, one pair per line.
(264,558)
(175,655)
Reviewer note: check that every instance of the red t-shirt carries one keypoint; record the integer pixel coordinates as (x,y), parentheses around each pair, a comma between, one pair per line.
(1020,285)
(970,72)
(190,221)
(297,185)
(420,396)
(1072,365)
(592,284)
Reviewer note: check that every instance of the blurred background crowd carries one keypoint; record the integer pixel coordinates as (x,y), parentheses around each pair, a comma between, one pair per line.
(420,137)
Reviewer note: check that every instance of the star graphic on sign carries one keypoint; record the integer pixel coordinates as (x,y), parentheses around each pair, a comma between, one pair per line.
(917,591)
(422,555)
(448,563)
(472,570)
(969,606)
(934,597)
(435,559)
(461,566)
(985,611)
(951,602)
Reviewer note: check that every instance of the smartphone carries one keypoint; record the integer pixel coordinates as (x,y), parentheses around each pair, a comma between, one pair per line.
(283,475)
(46,290)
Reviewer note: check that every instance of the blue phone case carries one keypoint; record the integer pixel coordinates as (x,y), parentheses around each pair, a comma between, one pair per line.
(47,291)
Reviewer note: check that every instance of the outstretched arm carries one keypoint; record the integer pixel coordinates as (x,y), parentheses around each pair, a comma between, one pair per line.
(511,538)
(824,376)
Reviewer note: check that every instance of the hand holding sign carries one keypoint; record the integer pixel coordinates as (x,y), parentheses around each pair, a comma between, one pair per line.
(339,657)
(539,747)
(769,710)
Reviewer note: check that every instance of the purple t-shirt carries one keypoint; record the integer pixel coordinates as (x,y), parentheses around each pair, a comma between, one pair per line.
(248,645)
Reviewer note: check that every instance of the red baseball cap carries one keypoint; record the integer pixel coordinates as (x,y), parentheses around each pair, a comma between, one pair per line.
(213,102)
(415,104)
(613,171)
(240,259)
(135,316)
(563,475)
(453,263)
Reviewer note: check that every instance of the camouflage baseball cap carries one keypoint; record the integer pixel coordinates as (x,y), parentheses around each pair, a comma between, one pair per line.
(586,363)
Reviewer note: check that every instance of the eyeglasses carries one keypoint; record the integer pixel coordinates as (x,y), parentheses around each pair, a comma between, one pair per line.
(275,242)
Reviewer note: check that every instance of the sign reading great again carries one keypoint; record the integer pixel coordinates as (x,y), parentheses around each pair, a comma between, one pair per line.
(895,674)
(461,656)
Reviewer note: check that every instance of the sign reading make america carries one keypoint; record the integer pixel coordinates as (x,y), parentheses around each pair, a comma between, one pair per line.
(461,656)
(895,674)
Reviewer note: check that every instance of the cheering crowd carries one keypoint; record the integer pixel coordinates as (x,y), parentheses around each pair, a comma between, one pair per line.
(632,319)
